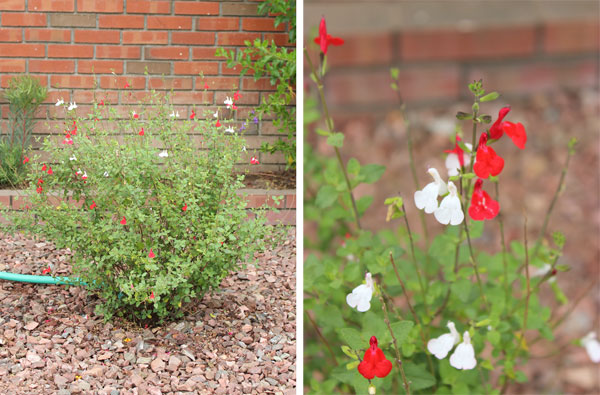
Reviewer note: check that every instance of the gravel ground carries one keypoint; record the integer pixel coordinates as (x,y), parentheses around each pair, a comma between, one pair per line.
(241,339)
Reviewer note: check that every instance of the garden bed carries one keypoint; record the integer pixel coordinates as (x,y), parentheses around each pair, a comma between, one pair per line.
(239,340)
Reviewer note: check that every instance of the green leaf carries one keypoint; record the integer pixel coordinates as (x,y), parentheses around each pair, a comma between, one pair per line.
(326,196)
(323,132)
(418,376)
(371,173)
(520,377)
(352,365)
(394,73)
(349,352)
(336,140)
(463,115)
(401,329)
(353,338)
(490,97)
(353,166)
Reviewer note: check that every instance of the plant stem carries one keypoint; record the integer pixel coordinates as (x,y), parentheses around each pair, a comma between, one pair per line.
(414,259)
(323,339)
(395,343)
(329,121)
(504,263)
(414,314)
(447,297)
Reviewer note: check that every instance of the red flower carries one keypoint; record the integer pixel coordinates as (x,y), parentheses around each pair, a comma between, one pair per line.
(254,161)
(127,85)
(50,170)
(123,221)
(93,205)
(206,85)
(516,132)
(46,270)
(496,129)
(40,181)
(151,254)
(458,151)
(237,96)
(141,133)
(193,115)
(39,190)
(184,208)
(374,362)
(482,205)
(25,160)
(101,102)
(44,167)
(487,161)
(152,295)
(135,115)
(218,124)
(324,39)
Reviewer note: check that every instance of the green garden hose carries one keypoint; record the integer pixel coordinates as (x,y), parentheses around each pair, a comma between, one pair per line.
(30,278)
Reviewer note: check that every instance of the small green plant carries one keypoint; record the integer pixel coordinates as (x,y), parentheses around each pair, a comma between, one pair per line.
(147,204)
(24,96)
(278,64)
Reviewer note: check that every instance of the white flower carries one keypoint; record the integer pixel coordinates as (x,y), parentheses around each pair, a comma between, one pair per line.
(59,102)
(427,197)
(464,355)
(73,158)
(453,164)
(228,102)
(216,114)
(72,106)
(441,346)
(592,346)
(230,130)
(244,149)
(174,114)
(105,174)
(360,298)
(163,154)
(450,211)
(542,271)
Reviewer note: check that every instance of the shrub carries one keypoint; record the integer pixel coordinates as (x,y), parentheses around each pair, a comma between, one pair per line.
(24,96)
(149,210)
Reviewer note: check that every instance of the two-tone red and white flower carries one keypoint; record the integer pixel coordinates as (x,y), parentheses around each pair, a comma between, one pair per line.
(457,158)
(254,161)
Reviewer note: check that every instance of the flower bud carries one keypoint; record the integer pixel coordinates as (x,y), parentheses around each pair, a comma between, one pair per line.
(372,390)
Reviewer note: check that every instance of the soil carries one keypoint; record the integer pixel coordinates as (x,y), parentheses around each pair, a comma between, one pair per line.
(241,339)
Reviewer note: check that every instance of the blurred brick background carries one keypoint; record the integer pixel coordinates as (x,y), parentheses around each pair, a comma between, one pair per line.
(82,48)
(543,57)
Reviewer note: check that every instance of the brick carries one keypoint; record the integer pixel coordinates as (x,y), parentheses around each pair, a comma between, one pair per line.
(97,36)
(72,81)
(148,7)
(48,35)
(242,9)
(290,201)
(258,200)
(195,68)
(489,43)
(6,79)
(219,83)
(121,21)
(151,67)
(5,202)
(89,96)
(261,25)
(12,66)
(10,35)
(214,23)
(571,37)
(170,83)
(112,82)
(51,6)
(262,84)
(145,37)
(372,88)
(236,38)
(169,22)
(192,38)
(70,51)
(196,8)
(167,53)
(283,217)
(51,66)
(100,6)
(118,52)
(27,19)
(205,54)
(194,97)
(247,97)
(281,39)
(361,50)
(538,76)
(100,66)
(231,70)
(22,50)
(72,20)
(12,5)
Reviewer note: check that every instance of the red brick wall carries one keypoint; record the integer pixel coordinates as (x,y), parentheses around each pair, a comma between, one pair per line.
(74,45)
(436,65)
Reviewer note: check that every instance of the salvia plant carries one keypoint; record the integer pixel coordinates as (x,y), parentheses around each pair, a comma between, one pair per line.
(393,312)
(147,202)
(24,96)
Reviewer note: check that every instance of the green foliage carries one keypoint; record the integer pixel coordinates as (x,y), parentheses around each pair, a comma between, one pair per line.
(278,64)
(441,282)
(24,95)
(182,208)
